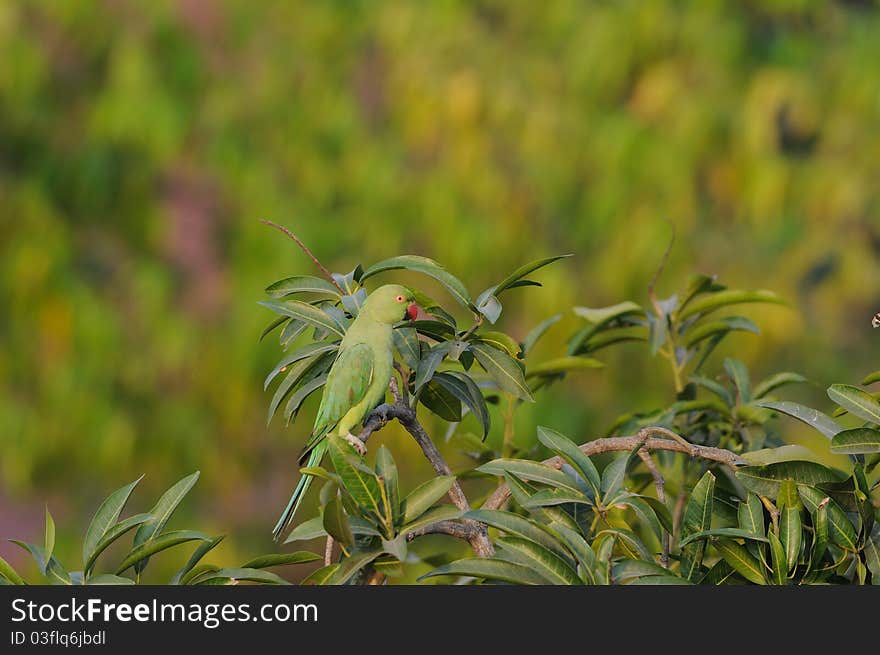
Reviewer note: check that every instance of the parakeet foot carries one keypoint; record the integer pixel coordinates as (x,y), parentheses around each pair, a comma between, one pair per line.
(357,443)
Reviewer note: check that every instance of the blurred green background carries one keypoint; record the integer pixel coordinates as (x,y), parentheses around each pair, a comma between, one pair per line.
(141,142)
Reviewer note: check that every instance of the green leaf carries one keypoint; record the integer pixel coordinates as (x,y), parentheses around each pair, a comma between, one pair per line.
(499,340)
(767,385)
(406,342)
(703,331)
(740,376)
(840,528)
(697,518)
(857,441)
(780,565)
(9,573)
(435,330)
(524,270)
(274,324)
(306,313)
(741,560)
(241,574)
(425,495)
(529,470)
(159,543)
(629,569)
(603,315)
(359,481)
(812,417)
(110,579)
(201,550)
(629,542)
(396,547)
(336,523)
(306,352)
(386,469)
(668,579)
(871,378)
(311,529)
(872,554)
(104,518)
(281,559)
(820,535)
(580,549)
(429,363)
(299,396)
(779,454)
(49,542)
(465,389)
(553,568)
(537,332)
(432,515)
(503,369)
(516,525)
(644,511)
(441,401)
(551,497)
(750,514)
(301,284)
(615,472)
(791,535)
(733,533)
(322,576)
(568,451)
(715,301)
(563,365)
(114,533)
(765,480)
(428,267)
(489,569)
(351,565)
(716,388)
(161,512)
(856,401)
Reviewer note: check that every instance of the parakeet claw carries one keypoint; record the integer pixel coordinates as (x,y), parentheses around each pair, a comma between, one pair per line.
(357,443)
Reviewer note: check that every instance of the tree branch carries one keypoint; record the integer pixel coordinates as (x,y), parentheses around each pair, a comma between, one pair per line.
(308,252)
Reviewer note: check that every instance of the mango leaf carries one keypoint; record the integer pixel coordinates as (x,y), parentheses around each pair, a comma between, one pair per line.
(644,511)
(529,470)
(236,574)
(537,332)
(501,341)
(857,401)
(428,267)
(276,322)
(301,284)
(740,376)
(406,342)
(607,338)
(489,568)
(871,378)
(307,389)
(360,482)
(429,363)
(351,565)
(465,389)
(562,365)
(603,315)
(750,515)
(114,533)
(568,450)
(6,571)
(425,495)
(732,533)
(110,579)
(812,417)
(435,330)
(840,528)
(857,441)
(306,313)
(703,331)
(629,569)
(551,497)
(336,523)
(629,542)
(767,385)
(741,560)
(105,517)
(524,270)
(549,565)
(142,552)
(872,554)
(697,518)
(386,469)
(778,558)
(489,306)
(201,550)
(779,454)
(432,515)
(715,301)
(503,369)
(306,352)
(614,473)
(516,525)
(820,535)
(322,576)
(161,512)
(713,386)
(311,529)
(765,480)
(441,401)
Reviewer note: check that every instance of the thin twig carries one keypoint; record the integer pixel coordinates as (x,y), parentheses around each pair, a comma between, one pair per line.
(328,551)
(630,443)
(308,252)
(660,486)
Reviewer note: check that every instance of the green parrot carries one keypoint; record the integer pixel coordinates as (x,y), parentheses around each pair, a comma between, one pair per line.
(357,381)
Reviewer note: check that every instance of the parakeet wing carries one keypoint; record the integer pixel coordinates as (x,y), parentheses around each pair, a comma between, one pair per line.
(347,384)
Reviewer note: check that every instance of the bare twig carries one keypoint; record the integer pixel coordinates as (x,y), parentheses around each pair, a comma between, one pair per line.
(328,551)
(308,252)
(630,443)
(660,486)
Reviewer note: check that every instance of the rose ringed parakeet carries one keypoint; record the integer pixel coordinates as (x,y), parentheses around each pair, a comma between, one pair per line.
(357,381)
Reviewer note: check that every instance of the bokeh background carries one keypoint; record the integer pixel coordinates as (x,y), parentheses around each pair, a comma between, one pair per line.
(141,142)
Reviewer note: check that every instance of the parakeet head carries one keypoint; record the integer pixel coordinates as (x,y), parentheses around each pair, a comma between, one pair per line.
(391,303)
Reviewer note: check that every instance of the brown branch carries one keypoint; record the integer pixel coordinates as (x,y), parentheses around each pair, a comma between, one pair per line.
(308,252)
(630,443)
(660,486)
(477,536)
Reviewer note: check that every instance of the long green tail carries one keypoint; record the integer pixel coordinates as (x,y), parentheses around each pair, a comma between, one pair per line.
(299,492)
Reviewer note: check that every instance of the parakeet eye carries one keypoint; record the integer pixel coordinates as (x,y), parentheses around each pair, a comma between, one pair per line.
(399,299)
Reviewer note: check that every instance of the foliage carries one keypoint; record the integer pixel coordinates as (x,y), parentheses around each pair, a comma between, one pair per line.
(150,539)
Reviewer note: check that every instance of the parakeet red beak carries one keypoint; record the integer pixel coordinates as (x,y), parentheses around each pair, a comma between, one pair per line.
(412,311)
